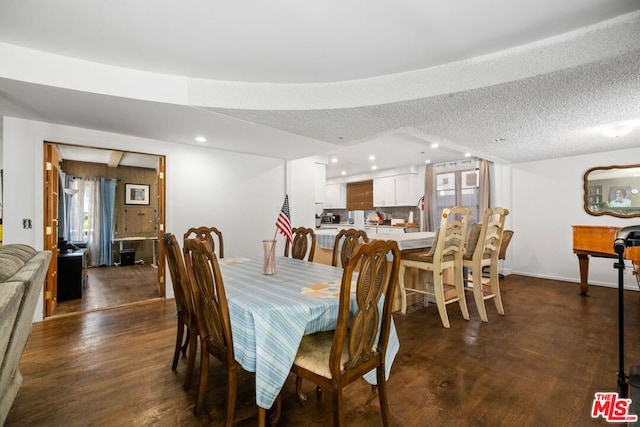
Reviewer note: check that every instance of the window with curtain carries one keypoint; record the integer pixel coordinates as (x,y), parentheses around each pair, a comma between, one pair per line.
(456,184)
(91,217)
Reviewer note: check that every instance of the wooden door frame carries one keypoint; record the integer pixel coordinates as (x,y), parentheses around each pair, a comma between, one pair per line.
(162,189)
(51,229)
(50,185)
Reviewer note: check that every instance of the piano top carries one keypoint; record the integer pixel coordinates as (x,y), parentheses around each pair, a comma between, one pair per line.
(598,240)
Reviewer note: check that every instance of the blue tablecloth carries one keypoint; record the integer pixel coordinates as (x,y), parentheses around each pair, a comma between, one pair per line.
(271,314)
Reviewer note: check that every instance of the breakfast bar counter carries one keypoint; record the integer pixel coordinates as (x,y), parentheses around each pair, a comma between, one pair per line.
(406,242)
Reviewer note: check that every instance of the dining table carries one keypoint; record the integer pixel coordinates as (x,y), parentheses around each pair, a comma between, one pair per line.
(271,313)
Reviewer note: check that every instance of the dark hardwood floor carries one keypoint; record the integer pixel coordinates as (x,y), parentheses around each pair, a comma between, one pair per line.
(113,286)
(539,365)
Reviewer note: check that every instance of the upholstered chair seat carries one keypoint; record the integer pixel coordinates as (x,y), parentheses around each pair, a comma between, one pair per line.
(314,352)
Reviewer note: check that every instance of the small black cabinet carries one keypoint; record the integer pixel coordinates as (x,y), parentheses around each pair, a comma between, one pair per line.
(71,274)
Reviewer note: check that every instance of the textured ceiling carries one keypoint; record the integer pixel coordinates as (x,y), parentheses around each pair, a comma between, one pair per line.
(553,115)
(510,81)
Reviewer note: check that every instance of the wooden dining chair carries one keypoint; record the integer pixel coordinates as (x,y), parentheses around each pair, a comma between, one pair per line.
(344,245)
(335,359)
(184,307)
(212,313)
(482,250)
(446,253)
(304,244)
(210,234)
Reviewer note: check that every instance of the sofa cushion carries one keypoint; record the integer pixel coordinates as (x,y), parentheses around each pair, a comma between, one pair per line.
(30,278)
(12,258)
(10,296)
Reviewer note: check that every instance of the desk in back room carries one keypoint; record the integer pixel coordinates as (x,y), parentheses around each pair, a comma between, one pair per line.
(597,241)
(122,240)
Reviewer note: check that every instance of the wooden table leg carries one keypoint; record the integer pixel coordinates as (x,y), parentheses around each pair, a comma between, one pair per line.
(583,260)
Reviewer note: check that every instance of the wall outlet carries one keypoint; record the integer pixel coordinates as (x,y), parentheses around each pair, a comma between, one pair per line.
(26,223)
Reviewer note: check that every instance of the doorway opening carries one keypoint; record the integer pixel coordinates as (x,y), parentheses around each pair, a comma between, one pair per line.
(104,219)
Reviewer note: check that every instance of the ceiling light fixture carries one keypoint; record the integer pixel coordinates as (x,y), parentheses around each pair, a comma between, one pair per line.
(343,172)
(201,139)
(374,167)
(334,160)
(617,130)
(372,157)
(427,161)
(467,154)
(434,145)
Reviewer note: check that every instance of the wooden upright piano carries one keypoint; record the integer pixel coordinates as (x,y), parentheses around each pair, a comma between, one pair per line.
(597,241)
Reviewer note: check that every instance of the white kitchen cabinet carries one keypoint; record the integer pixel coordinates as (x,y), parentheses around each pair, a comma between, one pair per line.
(404,185)
(335,196)
(384,192)
(395,191)
(320,176)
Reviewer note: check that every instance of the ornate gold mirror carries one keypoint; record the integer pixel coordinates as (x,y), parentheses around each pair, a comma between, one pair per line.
(612,190)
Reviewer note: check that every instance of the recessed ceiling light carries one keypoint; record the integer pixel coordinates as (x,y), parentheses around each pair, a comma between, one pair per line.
(201,139)
(434,145)
(617,130)
(427,161)
(334,160)
(467,154)
(343,172)
(372,157)
(374,167)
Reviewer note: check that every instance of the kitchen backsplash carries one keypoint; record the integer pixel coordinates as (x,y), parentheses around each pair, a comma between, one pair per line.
(400,212)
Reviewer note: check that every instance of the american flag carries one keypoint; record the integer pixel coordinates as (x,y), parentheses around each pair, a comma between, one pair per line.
(283,222)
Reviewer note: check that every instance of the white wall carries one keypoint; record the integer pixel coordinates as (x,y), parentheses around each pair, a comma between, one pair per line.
(238,193)
(301,183)
(546,199)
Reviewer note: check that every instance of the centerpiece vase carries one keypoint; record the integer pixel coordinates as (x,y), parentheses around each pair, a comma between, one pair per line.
(269,264)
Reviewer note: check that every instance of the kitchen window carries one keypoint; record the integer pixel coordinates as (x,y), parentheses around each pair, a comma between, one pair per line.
(456,184)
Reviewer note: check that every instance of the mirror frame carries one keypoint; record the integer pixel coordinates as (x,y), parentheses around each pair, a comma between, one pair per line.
(598,193)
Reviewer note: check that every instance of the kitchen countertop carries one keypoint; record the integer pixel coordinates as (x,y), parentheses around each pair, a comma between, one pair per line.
(424,239)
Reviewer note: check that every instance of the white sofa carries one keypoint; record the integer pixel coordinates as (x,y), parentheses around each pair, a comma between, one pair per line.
(22,274)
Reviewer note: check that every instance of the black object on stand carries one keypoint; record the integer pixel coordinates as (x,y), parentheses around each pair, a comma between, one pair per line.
(625,237)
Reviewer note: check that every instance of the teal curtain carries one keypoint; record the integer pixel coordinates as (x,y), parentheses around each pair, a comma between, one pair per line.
(107,208)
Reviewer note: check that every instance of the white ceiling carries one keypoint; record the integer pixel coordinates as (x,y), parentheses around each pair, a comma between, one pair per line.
(510,81)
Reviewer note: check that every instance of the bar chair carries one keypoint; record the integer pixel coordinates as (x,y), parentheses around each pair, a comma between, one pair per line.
(446,253)
(482,251)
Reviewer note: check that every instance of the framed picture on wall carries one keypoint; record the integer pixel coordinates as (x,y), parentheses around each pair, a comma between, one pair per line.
(136,194)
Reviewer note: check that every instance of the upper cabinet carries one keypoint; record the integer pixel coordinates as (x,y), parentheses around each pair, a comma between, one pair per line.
(335,196)
(384,191)
(399,190)
(320,175)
